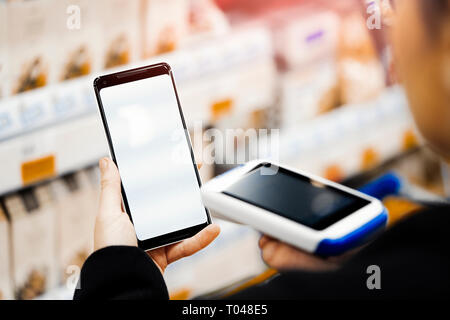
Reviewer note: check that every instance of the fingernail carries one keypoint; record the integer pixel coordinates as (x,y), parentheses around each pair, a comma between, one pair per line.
(103,164)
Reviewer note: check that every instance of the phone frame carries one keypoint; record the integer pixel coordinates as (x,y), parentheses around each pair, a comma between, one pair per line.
(132,75)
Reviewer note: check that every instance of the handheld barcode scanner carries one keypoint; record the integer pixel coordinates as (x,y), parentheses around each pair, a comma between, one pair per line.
(306,211)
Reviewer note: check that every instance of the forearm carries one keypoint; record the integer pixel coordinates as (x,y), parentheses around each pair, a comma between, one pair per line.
(120,272)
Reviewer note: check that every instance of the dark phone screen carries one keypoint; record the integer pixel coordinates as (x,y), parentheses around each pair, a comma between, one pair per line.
(295,197)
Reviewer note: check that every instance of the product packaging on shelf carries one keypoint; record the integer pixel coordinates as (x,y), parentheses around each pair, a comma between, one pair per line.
(78,39)
(307,39)
(361,74)
(75,220)
(4,90)
(246,83)
(308,93)
(165,24)
(30,44)
(33,231)
(6,291)
(206,19)
(256,77)
(120,31)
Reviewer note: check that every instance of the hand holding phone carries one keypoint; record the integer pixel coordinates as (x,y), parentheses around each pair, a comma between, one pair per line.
(141,114)
(114,228)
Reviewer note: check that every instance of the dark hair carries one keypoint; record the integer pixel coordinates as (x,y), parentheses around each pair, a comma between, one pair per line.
(434,11)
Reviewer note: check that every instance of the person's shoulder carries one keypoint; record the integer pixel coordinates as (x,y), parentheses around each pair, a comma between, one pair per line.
(428,227)
(431,219)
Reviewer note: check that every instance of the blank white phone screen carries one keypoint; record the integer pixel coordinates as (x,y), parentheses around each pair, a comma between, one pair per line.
(153,156)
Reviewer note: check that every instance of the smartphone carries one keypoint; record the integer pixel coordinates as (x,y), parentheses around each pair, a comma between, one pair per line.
(306,211)
(142,116)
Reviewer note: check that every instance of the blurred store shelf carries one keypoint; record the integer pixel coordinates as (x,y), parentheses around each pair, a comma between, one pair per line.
(54,130)
(58,293)
(346,140)
(352,138)
(308,68)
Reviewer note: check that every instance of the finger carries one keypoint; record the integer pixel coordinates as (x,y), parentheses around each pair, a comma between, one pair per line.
(192,245)
(263,241)
(110,196)
(269,251)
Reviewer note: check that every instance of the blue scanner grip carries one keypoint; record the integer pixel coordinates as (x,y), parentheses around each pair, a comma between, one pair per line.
(334,247)
(388,184)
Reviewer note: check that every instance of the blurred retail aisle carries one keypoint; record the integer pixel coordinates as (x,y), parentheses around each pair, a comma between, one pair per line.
(311,69)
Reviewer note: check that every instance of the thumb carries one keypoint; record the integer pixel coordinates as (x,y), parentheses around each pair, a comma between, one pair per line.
(110,196)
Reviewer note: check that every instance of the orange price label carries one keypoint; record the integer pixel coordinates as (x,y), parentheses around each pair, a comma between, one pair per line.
(221,108)
(38,169)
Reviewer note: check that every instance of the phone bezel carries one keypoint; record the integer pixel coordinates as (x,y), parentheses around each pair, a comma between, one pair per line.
(135,75)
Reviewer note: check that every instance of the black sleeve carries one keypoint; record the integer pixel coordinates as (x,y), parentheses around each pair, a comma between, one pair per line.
(413,258)
(120,272)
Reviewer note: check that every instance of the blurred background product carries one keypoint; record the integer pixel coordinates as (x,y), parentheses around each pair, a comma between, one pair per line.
(6,290)
(76,209)
(161,32)
(77,52)
(32,217)
(119,36)
(30,42)
(3,49)
(312,69)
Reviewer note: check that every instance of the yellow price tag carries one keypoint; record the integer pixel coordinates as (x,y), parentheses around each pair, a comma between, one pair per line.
(38,169)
